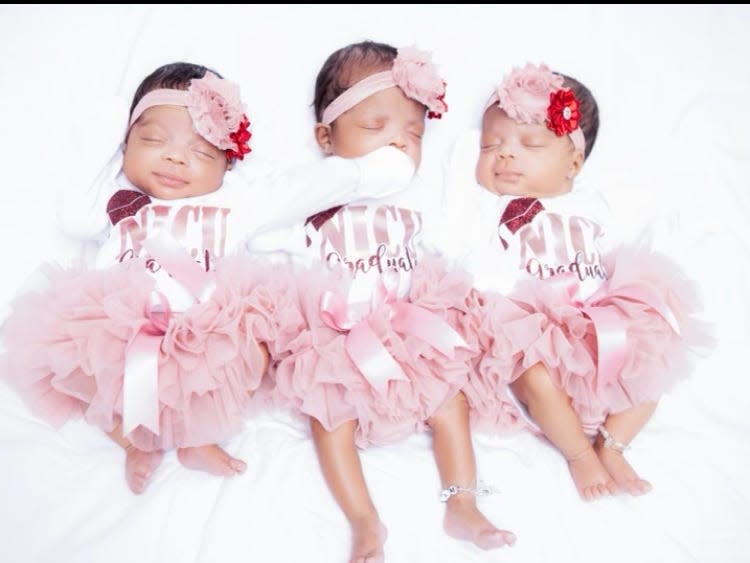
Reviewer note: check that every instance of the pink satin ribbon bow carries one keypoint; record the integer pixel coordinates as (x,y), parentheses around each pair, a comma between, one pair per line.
(611,336)
(140,388)
(365,347)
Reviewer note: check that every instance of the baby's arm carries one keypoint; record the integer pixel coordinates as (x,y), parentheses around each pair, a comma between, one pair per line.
(453,225)
(94,159)
(82,211)
(596,209)
(81,215)
(305,190)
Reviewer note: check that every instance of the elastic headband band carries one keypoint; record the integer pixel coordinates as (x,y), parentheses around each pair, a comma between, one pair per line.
(161,97)
(355,94)
(412,72)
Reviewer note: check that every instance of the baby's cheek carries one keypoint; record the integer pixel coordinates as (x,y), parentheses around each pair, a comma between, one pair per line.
(481,171)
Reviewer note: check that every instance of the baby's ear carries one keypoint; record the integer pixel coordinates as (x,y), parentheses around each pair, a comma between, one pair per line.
(323,137)
(575,165)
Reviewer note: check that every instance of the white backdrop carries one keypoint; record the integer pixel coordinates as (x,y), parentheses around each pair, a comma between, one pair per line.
(672,157)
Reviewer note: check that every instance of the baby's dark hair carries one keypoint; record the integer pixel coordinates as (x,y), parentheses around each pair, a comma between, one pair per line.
(348,65)
(588,108)
(175,76)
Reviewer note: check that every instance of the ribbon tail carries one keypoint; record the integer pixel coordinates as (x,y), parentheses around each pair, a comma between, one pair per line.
(140,387)
(372,358)
(611,341)
(177,261)
(650,297)
(412,319)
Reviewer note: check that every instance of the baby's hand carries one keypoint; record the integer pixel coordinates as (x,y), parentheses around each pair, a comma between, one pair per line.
(384,171)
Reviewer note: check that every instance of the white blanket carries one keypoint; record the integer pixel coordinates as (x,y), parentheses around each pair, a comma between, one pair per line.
(673,157)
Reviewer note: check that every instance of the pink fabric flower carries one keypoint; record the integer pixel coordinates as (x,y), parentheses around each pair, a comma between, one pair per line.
(524,93)
(418,78)
(216,109)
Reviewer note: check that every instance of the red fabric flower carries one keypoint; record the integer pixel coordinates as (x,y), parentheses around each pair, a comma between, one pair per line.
(439,114)
(562,113)
(240,139)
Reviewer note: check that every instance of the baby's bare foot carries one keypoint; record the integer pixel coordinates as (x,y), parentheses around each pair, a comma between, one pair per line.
(621,471)
(589,475)
(464,521)
(211,459)
(139,467)
(368,537)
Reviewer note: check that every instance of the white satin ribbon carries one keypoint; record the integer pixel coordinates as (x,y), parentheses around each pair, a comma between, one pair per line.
(140,392)
(364,346)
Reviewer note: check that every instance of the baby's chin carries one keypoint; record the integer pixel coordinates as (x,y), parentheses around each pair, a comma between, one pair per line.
(503,188)
(166,193)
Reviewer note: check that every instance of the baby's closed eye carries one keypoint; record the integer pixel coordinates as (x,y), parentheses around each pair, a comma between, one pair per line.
(372,125)
(488,143)
(151,139)
(204,150)
(533,142)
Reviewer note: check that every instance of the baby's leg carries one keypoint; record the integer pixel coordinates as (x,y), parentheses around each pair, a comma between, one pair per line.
(211,459)
(454,454)
(551,409)
(263,358)
(623,427)
(139,465)
(342,470)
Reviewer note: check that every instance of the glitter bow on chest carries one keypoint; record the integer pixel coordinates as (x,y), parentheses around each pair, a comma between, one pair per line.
(518,213)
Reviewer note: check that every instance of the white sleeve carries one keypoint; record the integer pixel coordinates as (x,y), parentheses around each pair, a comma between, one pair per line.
(589,203)
(284,198)
(599,211)
(382,173)
(459,215)
(82,212)
(437,232)
(86,189)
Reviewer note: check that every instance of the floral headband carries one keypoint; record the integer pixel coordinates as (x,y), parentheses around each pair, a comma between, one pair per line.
(216,110)
(534,94)
(412,72)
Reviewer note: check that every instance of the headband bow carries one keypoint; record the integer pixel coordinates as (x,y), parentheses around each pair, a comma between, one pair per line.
(214,106)
(534,94)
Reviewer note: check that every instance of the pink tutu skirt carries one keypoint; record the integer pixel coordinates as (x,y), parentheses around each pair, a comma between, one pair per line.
(502,330)
(652,307)
(66,348)
(319,379)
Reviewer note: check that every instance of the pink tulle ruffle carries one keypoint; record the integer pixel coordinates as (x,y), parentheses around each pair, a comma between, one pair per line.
(318,379)
(561,336)
(66,348)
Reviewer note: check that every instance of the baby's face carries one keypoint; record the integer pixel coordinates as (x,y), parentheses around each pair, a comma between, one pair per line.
(167,159)
(524,159)
(386,118)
